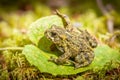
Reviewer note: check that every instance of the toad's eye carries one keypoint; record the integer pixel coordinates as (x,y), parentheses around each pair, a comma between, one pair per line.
(53,34)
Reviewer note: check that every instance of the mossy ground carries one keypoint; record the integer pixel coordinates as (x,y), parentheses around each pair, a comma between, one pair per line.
(14,29)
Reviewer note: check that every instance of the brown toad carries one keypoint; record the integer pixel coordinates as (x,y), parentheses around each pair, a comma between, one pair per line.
(75,44)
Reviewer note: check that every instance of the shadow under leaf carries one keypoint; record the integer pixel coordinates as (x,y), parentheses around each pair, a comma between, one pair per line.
(48,47)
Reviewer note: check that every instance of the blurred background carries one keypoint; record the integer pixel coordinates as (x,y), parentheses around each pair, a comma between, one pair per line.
(101,17)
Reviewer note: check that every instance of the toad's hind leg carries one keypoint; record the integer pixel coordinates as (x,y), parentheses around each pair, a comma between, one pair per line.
(83,59)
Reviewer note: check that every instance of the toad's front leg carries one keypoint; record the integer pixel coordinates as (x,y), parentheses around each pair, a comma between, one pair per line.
(60,60)
(64,58)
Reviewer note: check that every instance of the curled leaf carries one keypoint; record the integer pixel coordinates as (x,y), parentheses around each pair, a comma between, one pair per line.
(40,54)
(38,27)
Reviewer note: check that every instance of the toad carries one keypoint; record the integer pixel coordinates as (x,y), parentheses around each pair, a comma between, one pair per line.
(76,45)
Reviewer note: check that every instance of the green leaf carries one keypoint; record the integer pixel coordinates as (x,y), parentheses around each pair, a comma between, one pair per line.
(38,27)
(40,54)
(39,58)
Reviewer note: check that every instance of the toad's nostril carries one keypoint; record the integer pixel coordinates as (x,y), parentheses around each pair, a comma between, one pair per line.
(93,45)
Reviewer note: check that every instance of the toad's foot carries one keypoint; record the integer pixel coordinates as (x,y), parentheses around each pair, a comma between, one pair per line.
(58,61)
(77,65)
